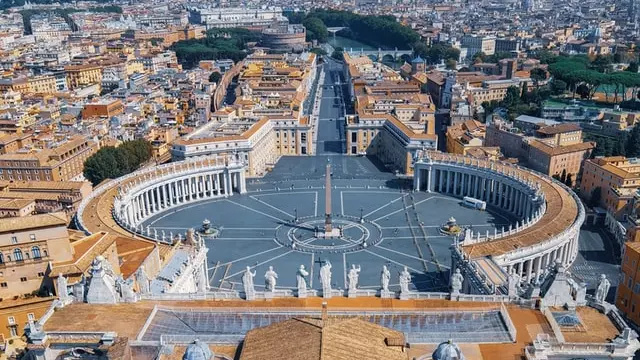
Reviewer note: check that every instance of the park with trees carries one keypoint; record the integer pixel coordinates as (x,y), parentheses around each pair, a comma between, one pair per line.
(112,162)
(218,44)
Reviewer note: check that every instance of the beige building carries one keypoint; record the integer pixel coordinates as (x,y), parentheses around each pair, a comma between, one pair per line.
(27,246)
(63,161)
(550,149)
(17,207)
(79,76)
(618,179)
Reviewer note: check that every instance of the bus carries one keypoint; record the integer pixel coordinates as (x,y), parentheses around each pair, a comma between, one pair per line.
(474,203)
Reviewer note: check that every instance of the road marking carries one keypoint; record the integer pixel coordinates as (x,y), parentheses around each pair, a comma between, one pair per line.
(271,206)
(341,204)
(243,239)
(257,211)
(397,211)
(258,264)
(250,256)
(395,262)
(316,205)
(410,256)
(383,206)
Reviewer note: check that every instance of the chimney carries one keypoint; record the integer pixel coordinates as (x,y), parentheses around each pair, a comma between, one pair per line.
(324,313)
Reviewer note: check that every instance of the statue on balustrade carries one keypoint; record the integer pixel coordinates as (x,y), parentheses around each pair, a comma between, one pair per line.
(603,289)
(354,274)
(301,280)
(247,282)
(325,278)
(270,278)
(456,281)
(385,275)
(405,279)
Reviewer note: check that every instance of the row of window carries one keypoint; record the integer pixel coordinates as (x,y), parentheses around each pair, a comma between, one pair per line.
(19,256)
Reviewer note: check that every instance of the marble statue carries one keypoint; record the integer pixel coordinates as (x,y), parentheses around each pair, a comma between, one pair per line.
(61,283)
(456,282)
(603,289)
(125,288)
(513,283)
(142,280)
(270,278)
(301,281)
(385,275)
(354,274)
(247,282)
(405,279)
(325,278)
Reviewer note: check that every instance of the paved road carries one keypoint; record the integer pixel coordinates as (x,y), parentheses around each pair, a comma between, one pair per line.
(331,130)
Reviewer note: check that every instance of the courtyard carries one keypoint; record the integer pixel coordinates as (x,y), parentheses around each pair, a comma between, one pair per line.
(382,222)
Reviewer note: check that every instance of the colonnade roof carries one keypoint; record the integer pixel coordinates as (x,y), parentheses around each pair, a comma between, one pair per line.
(97,215)
(562,211)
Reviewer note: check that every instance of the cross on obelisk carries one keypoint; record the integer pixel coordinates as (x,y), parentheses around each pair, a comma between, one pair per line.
(327,199)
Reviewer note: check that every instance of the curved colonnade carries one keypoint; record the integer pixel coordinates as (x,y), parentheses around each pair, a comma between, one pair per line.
(122,205)
(550,214)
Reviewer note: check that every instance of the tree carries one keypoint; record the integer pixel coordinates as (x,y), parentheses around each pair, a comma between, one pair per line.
(596,195)
(478,57)
(563,176)
(583,91)
(512,97)
(633,142)
(215,77)
(633,67)
(338,53)
(619,149)
(451,64)
(569,180)
(558,87)
(111,162)
(316,29)
(538,75)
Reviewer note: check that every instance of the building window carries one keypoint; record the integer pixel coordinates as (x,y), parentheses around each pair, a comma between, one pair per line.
(31,317)
(11,320)
(3,284)
(23,279)
(17,255)
(14,240)
(13,330)
(1,258)
(40,274)
(636,288)
(35,252)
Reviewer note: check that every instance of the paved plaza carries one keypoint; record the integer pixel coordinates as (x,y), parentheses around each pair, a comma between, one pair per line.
(400,228)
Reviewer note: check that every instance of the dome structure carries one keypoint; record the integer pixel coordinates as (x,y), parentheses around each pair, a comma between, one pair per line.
(198,351)
(447,351)
(417,60)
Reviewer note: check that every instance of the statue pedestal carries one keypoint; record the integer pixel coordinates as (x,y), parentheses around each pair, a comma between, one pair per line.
(404,295)
(302,294)
(386,294)
(352,293)
(453,296)
(250,296)
(268,295)
(326,294)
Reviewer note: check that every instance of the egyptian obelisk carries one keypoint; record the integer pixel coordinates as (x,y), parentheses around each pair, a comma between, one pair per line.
(327,199)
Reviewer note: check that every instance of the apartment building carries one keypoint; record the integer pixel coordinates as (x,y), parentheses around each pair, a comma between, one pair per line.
(103,108)
(479,43)
(59,161)
(465,136)
(618,179)
(27,245)
(79,76)
(550,149)
(628,293)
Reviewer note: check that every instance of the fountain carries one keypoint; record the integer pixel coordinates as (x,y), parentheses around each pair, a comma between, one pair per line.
(207,230)
(451,227)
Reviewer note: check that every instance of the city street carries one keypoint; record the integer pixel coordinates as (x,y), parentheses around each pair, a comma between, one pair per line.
(331,132)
